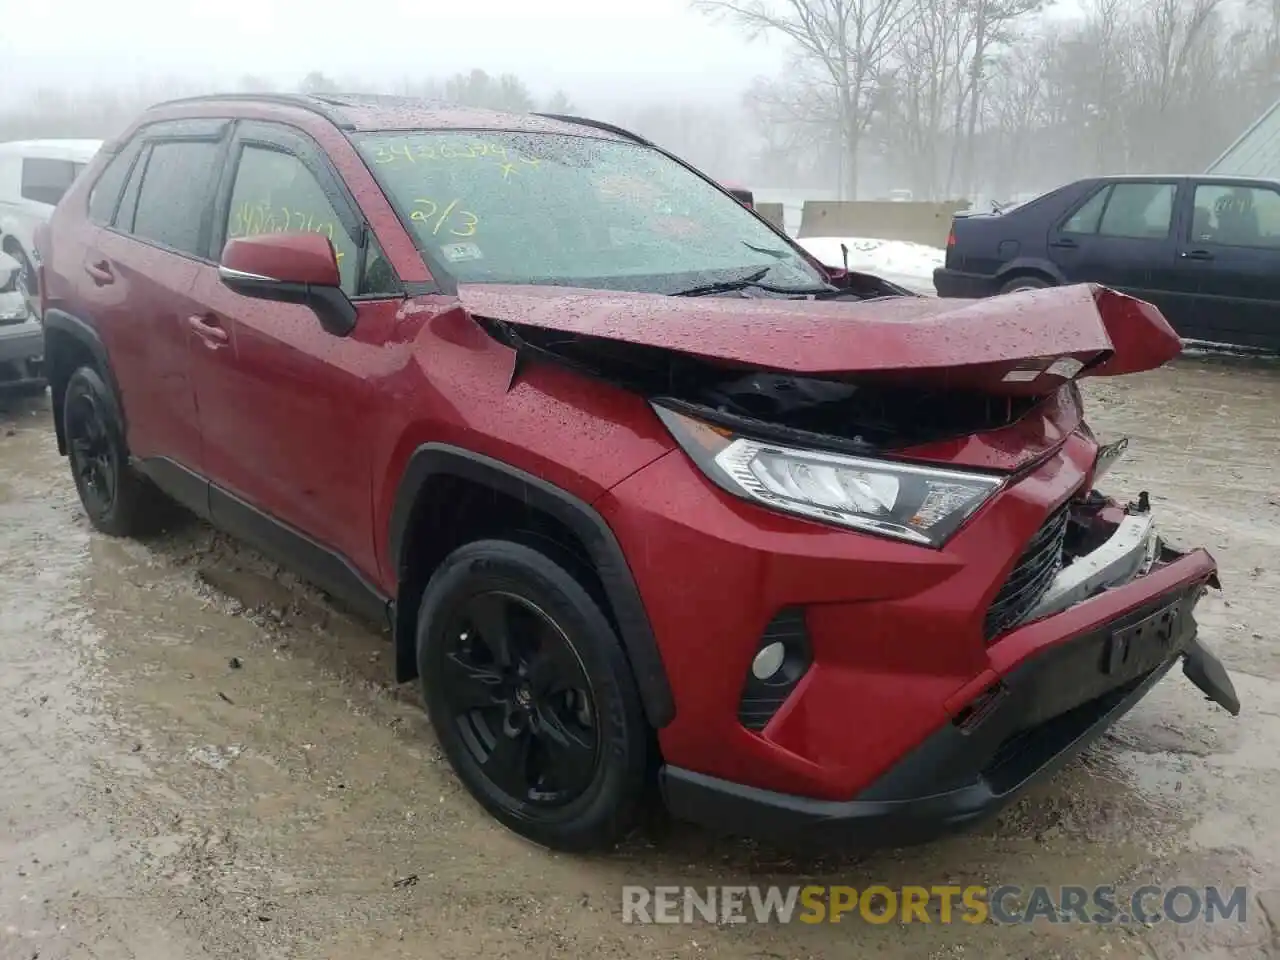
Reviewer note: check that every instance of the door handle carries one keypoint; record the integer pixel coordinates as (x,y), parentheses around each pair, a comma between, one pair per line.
(208,330)
(1066,243)
(1196,255)
(100,272)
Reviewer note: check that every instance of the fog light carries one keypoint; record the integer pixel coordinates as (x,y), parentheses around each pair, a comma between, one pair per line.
(768,661)
(781,660)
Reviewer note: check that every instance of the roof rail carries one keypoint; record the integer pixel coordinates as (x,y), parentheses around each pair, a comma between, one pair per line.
(300,100)
(597,124)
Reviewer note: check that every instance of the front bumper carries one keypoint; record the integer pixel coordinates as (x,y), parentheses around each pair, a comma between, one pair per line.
(901,657)
(1024,726)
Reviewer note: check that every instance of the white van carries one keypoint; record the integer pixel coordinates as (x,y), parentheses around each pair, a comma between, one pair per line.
(34,174)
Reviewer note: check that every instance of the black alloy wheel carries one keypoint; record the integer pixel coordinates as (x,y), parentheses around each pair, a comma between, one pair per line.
(95,463)
(520,699)
(118,500)
(531,695)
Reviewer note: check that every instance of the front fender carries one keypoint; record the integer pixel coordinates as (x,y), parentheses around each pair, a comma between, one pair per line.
(68,338)
(433,459)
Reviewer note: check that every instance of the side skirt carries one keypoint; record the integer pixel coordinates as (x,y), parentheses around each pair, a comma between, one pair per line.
(328,570)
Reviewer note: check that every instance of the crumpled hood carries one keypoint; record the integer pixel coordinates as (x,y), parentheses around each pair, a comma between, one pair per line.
(1028,342)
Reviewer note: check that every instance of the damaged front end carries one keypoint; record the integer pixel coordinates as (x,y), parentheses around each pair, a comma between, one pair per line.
(1094,544)
(887,431)
(886,375)
(856,414)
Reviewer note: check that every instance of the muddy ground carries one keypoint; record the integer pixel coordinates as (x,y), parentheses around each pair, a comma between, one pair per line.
(157,802)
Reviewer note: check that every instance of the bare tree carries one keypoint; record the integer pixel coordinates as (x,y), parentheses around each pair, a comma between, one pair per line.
(991,23)
(559,102)
(481,89)
(799,129)
(847,46)
(1013,102)
(1171,54)
(924,88)
(318,82)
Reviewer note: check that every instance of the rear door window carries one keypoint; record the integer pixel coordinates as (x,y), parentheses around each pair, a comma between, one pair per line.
(122,220)
(176,194)
(1085,219)
(1236,216)
(105,195)
(1139,211)
(45,180)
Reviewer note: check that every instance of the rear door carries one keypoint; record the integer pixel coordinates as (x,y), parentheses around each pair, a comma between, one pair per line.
(1229,263)
(1122,236)
(140,271)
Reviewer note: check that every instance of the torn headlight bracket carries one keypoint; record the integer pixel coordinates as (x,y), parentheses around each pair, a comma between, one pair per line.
(919,504)
(762,429)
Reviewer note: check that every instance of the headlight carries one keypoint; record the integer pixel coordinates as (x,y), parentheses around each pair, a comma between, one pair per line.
(920,504)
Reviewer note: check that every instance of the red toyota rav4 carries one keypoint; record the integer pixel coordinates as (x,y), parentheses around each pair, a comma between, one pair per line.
(646,493)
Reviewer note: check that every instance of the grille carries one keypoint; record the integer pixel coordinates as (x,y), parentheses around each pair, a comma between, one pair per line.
(1031,576)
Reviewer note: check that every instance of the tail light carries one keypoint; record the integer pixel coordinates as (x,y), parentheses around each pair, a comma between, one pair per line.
(951,236)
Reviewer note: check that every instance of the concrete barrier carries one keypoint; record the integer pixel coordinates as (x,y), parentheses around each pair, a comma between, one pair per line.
(927,223)
(773,212)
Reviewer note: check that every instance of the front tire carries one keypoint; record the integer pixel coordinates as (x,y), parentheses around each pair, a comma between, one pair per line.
(531,696)
(118,501)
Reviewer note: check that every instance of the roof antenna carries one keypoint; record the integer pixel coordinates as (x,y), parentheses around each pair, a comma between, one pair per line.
(844,252)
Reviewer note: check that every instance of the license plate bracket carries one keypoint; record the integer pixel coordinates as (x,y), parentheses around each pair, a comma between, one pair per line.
(1143,645)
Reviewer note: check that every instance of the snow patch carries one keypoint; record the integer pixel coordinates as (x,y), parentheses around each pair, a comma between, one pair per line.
(907,263)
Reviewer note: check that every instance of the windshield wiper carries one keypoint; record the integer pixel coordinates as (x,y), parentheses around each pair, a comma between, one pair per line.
(750,280)
(724,286)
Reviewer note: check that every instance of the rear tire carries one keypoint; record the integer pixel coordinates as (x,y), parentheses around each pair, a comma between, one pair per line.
(532,697)
(1027,282)
(118,500)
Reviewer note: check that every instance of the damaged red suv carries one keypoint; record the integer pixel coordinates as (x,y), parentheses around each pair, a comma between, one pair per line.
(646,494)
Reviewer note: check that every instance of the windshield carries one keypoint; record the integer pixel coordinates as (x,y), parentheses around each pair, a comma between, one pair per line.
(502,207)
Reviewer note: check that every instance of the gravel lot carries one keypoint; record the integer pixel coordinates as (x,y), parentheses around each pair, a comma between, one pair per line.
(158,802)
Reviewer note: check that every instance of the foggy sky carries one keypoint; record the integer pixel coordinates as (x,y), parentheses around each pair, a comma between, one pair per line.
(594,49)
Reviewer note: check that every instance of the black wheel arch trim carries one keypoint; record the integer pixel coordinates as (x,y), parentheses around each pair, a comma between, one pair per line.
(1031,265)
(437,459)
(55,320)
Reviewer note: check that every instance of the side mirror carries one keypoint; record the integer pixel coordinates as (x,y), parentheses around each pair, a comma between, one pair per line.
(297,268)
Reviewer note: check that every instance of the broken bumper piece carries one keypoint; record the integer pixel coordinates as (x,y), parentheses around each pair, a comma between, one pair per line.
(1127,553)
(1206,671)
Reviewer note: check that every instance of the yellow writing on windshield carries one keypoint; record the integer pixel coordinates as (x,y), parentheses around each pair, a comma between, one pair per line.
(251,219)
(509,161)
(461,223)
